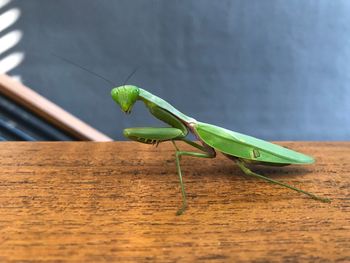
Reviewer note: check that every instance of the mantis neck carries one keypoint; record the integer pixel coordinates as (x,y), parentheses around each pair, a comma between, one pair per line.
(149,99)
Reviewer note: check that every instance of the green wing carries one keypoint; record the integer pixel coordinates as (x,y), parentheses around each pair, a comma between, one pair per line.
(247,147)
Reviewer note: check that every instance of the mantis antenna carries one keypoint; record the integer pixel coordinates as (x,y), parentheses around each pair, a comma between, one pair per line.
(94,73)
(87,70)
(130,75)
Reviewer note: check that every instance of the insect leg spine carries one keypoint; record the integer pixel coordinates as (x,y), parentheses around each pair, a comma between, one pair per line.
(146,140)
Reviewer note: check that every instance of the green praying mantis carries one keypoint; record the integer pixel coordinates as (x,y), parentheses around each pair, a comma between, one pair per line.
(242,149)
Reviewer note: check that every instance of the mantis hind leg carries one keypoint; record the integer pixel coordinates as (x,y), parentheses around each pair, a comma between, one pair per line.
(178,155)
(247,171)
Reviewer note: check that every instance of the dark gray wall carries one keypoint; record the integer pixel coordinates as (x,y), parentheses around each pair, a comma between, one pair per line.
(279,70)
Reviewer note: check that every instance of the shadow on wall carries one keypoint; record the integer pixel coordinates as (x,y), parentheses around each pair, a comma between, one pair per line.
(10,36)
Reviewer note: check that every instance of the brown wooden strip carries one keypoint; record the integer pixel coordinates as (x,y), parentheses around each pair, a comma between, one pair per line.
(48,110)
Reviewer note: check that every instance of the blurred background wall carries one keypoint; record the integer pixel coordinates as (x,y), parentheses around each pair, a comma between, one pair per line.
(278,70)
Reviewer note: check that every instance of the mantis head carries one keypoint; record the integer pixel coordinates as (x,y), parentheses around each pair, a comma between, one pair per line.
(125,96)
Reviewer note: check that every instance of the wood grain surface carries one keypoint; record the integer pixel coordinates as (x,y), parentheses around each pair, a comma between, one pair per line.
(116,201)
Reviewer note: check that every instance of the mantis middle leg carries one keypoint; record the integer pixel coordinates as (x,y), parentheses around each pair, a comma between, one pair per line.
(208,153)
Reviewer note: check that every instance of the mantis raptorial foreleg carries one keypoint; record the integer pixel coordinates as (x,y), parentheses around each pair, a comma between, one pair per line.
(163,134)
(178,155)
(247,171)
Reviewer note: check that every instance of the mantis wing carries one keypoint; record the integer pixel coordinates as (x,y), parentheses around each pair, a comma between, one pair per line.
(248,147)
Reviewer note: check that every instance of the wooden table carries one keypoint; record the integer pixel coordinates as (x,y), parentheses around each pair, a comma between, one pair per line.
(86,201)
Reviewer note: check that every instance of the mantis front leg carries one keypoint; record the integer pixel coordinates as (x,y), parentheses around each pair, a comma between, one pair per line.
(178,154)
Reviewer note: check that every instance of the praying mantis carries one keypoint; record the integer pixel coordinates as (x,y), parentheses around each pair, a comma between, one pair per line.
(242,149)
